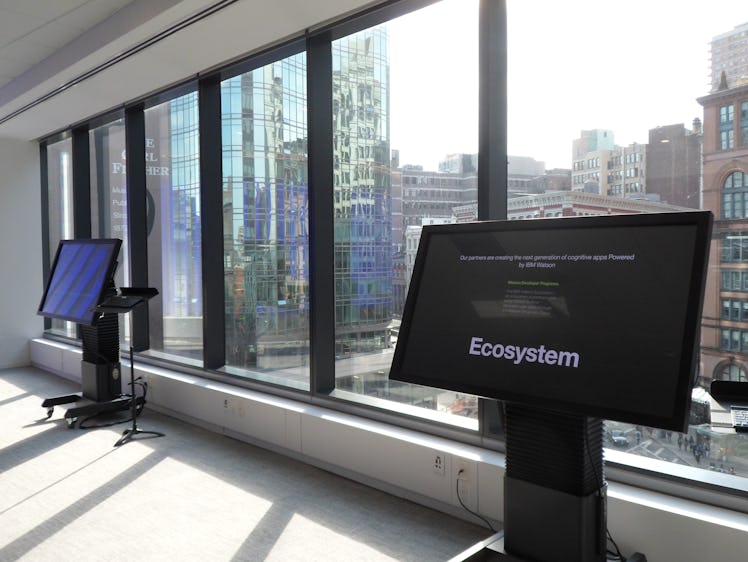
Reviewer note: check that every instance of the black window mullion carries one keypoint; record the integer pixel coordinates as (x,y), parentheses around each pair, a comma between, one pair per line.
(492,149)
(101,152)
(81,183)
(321,231)
(211,204)
(492,110)
(136,219)
(44,179)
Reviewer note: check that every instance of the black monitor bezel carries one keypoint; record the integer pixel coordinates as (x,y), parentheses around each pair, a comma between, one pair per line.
(678,420)
(91,315)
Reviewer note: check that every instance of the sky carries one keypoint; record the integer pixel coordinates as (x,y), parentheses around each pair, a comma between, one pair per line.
(626,66)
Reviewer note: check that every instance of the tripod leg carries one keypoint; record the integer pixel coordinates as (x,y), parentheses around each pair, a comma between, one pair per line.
(129,434)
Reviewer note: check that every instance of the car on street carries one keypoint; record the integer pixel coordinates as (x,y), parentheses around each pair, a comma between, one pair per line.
(618,438)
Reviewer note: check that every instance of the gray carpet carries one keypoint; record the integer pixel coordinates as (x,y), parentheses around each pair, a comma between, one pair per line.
(68,494)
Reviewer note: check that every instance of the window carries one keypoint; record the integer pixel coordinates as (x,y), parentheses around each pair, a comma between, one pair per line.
(266,238)
(726,132)
(108,182)
(735,247)
(108,174)
(735,309)
(60,209)
(727,139)
(735,196)
(734,340)
(173,198)
(386,96)
(726,115)
(649,173)
(732,372)
(744,123)
(404,114)
(734,280)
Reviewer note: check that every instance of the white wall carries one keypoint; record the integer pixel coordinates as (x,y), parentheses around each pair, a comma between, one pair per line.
(401,461)
(20,250)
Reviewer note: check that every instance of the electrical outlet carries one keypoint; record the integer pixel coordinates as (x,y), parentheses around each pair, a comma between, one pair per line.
(150,382)
(234,406)
(439,464)
(466,483)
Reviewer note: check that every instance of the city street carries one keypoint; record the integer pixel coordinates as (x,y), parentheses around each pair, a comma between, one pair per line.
(719,452)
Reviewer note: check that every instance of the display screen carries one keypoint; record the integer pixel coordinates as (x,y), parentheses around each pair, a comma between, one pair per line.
(81,272)
(592,315)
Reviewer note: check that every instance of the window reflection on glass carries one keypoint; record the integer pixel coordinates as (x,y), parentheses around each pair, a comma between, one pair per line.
(60,210)
(173,225)
(638,136)
(109,196)
(266,230)
(405,154)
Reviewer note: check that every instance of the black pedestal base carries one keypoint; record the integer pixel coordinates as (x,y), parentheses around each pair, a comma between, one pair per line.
(101,381)
(130,434)
(83,407)
(545,524)
(489,550)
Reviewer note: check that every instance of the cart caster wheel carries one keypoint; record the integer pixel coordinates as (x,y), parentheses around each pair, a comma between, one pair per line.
(50,410)
(71,422)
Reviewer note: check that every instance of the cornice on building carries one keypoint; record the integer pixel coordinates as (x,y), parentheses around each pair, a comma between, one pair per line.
(590,200)
(730,93)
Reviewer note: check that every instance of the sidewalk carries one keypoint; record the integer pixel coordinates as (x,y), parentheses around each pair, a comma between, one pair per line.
(657,445)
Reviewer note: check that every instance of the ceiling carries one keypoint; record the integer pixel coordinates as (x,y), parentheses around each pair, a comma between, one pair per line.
(63,61)
(32,30)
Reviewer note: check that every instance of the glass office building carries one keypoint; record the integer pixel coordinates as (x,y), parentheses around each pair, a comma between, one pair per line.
(361,184)
(266,237)
(265,219)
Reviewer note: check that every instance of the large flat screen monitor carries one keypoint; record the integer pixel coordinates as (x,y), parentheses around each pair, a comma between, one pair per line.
(81,273)
(596,316)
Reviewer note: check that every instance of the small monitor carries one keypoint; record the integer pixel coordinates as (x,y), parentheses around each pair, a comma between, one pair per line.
(81,273)
(596,316)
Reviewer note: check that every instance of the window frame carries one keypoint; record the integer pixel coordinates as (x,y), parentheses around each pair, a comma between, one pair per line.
(492,204)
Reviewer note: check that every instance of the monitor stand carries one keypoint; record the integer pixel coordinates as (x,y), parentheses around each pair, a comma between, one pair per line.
(554,490)
(101,386)
(83,407)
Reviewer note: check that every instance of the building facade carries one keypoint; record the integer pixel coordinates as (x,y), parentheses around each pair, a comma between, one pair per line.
(729,55)
(724,339)
(600,166)
(579,203)
(523,173)
(434,195)
(666,169)
(625,172)
(590,155)
(673,156)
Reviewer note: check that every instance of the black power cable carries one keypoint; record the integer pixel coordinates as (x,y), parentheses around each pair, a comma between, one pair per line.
(615,554)
(466,508)
(139,405)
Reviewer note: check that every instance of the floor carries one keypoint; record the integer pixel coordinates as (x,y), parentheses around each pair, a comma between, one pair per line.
(69,494)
